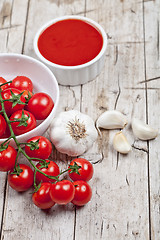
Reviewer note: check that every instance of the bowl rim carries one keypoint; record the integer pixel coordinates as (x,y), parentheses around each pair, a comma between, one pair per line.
(31,59)
(85,19)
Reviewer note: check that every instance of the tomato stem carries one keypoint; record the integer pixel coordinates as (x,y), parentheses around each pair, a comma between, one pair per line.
(5,83)
(19,150)
(74,168)
(6,140)
(35,186)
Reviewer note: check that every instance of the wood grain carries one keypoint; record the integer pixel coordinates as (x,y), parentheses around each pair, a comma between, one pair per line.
(120,208)
(126,197)
(10,24)
(152,63)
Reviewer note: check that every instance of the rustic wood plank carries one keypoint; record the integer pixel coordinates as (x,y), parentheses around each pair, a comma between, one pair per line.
(3,183)
(119,209)
(152,39)
(152,60)
(12,26)
(8,26)
(5,10)
(154,164)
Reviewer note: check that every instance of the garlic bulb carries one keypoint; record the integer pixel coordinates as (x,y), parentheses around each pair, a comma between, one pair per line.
(142,130)
(111,120)
(72,132)
(121,144)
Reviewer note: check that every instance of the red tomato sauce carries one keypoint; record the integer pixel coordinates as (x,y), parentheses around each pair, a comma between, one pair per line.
(70,42)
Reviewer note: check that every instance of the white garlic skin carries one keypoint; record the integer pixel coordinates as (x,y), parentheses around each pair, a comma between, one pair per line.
(121,144)
(112,119)
(142,130)
(62,139)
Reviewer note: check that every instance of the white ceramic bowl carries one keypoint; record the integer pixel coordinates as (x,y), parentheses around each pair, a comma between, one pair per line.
(12,65)
(79,74)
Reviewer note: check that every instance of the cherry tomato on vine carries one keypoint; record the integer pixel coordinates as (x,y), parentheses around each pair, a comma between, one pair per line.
(28,122)
(18,102)
(40,105)
(40,147)
(51,169)
(42,198)
(7,158)
(2,80)
(22,180)
(85,172)
(83,193)
(7,133)
(62,192)
(2,125)
(22,83)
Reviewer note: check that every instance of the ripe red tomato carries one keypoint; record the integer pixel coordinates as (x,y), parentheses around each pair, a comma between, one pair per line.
(40,105)
(7,94)
(42,149)
(7,159)
(62,192)
(28,118)
(7,133)
(2,125)
(23,181)
(86,170)
(52,170)
(42,198)
(22,83)
(2,80)
(83,193)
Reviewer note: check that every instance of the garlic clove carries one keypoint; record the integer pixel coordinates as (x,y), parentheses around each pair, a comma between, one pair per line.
(142,130)
(121,144)
(112,119)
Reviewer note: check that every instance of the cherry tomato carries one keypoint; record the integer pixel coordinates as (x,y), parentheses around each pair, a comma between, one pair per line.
(40,105)
(62,192)
(52,169)
(28,118)
(7,133)
(2,125)
(83,193)
(22,181)
(42,198)
(7,94)
(7,158)
(2,80)
(42,149)
(85,172)
(22,83)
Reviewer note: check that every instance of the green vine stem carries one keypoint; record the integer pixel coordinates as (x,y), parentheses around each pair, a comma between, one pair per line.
(35,186)
(20,150)
(5,83)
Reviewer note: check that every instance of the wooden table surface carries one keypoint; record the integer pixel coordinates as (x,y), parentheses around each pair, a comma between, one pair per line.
(126,193)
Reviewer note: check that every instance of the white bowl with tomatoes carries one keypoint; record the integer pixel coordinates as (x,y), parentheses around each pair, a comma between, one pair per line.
(36,94)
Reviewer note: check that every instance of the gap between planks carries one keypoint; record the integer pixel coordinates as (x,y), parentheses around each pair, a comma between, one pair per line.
(4,206)
(24,38)
(146,96)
